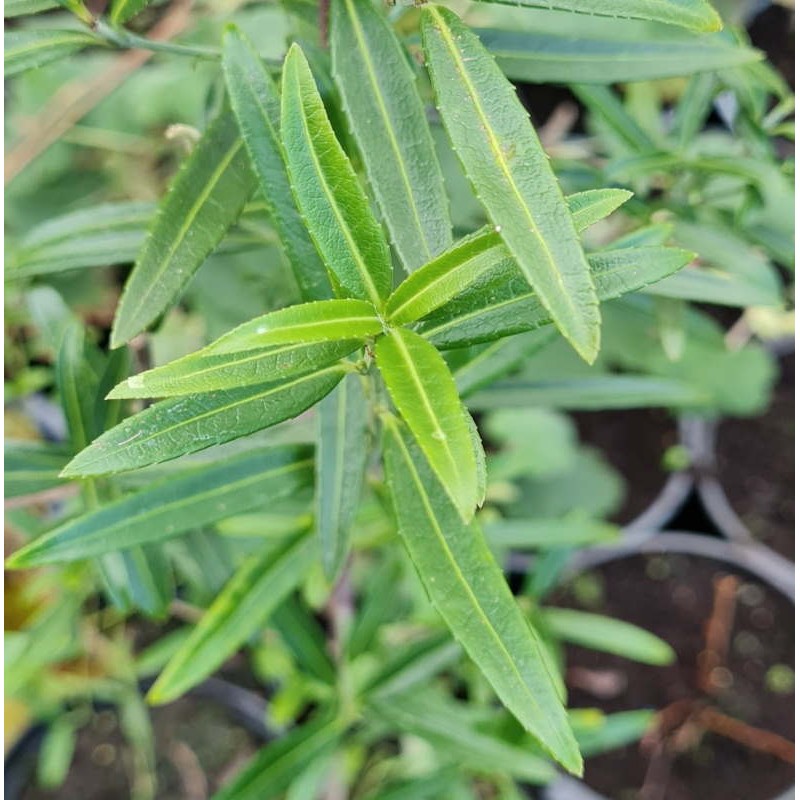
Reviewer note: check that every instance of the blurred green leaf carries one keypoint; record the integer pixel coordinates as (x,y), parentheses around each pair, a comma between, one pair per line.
(34,47)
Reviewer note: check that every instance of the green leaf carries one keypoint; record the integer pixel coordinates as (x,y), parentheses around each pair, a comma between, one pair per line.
(169,508)
(199,373)
(470,592)
(21,8)
(602,102)
(77,384)
(327,190)
(536,57)
(503,158)
(573,530)
(388,122)
(271,772)
(598,733)
(32,467)
(607,635)
(424,393)
(449,728)
(241,609)
(590,393)
(694,14)
(714,286)
(594,204)
(256,103)
(305,639)
(34,47)
(503,304)
(138,579)
(204,200)
(57,750)
(123,10)
(184,425)
(321,321)
(342,450)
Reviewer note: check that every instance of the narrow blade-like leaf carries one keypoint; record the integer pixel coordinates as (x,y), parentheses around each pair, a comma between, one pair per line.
(29,48)
(256,103)
(22,8)
(327,190)
(388,121)
(470,592)
(199,372)
(205,199)
(171,507)
(322,321)
(608,635)
(272,771)
(694,14)
(123,10)
(574,530)
(342,450)
(423,390)
(185,425)
(241,608)
(32,467)
(503,158)
(504,305)
(447,726)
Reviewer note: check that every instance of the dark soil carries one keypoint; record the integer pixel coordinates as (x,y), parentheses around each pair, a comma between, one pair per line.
(673,599)
(634,442)
(756,466)
(197,747)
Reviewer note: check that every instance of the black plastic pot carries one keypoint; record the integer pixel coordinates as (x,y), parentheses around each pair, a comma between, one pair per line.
(247,708)
(745,556)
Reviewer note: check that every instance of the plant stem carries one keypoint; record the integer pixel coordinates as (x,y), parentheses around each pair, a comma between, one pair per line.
(124,39)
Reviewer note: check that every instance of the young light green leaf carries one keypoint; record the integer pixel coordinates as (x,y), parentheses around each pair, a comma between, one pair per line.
(424,393)
(327,190)
(590,393)
(503,158)
(446,725)
(536,57)
(171,507)
(694,14)
(272,771)
(321,321)
(123,10)
(185,425)
(607,635)
(470,592)
(56,752)
(467,261)
(597,732)
(342,450)
(241,608)
(256,103)
(205,199)
(388,122)
(33,47)
(503,304)
(528,534)
(198,372)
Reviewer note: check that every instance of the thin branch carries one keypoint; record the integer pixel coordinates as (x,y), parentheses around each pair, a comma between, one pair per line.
(717,633)
(754,738)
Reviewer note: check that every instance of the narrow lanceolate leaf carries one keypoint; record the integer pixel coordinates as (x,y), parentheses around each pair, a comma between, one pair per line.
(388,121)
(470,592)
(597,732)
(185,425)
(449,728)
(694,14)
(608,635)
(32,467)
(424,393)
(548,57)
(171,507)
(26,49)
(503,158)
(107,234)
(272,771)
(322,321)
(256,103)
(504,305)
(22,8)
(242,607)
(547,534)
(467,261)
(123,10)
(204,201)
(327,190)
(342,450)
(199,372)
